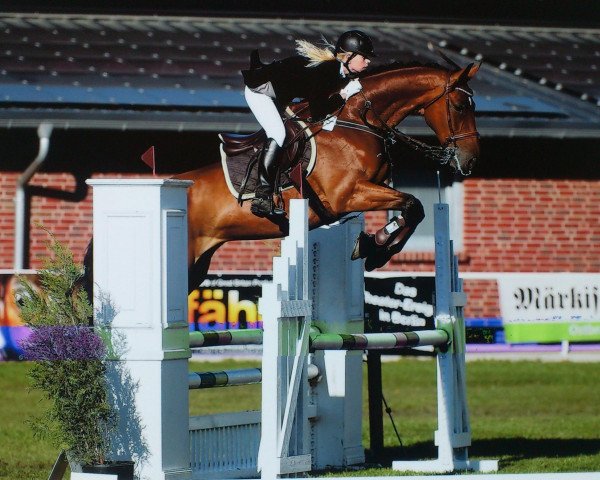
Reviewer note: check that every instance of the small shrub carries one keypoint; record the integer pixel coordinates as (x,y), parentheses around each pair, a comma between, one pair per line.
(69,360)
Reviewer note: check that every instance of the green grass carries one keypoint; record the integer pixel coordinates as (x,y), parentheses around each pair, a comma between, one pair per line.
(226,399)
(21,455)
(534,417)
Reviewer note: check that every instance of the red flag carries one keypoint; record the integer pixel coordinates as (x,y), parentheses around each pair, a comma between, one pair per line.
(148,159)
(296,177)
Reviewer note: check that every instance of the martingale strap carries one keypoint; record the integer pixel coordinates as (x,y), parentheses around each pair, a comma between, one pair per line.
(363,128)
(441,154)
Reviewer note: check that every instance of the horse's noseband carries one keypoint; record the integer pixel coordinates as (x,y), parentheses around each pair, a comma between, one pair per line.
(461,136)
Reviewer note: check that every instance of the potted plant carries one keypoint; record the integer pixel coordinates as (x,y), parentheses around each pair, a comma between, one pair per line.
(69,364)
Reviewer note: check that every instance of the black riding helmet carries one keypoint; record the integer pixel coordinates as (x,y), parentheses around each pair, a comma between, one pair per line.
(356,42)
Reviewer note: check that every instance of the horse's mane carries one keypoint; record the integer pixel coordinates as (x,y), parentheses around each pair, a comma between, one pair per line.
(393,66)
(388,67)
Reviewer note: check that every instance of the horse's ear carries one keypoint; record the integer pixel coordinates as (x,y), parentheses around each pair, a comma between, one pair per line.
(464,75)
(474,69)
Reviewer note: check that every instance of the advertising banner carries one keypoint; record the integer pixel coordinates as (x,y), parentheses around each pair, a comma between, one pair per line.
(226,301)
(398,304)
(535,308)
(12,330)
(550,307)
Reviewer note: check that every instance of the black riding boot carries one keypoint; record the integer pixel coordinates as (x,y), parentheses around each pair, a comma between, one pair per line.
(262,204)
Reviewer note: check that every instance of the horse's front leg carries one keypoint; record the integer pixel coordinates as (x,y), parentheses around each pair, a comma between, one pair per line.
(379,247)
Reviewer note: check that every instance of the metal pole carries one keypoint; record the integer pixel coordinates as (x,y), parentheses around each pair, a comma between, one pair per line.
(227,378)
(326,341)
(375,404)
(44,131)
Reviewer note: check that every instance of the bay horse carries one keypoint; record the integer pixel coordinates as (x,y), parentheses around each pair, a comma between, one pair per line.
(352,168)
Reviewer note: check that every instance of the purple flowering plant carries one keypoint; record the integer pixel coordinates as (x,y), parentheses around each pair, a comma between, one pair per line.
(57,342)
(68,358)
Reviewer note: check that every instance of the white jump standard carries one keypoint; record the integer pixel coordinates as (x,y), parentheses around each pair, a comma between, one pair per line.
(453,436)
(140,288)
(286,310)
(313,330)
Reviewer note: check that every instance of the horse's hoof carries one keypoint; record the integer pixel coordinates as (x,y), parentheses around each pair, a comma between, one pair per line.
(364,245)
(377,260)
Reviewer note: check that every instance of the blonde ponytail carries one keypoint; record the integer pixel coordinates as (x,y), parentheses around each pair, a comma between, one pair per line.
(316,55)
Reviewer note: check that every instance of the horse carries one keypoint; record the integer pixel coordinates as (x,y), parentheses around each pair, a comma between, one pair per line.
(352,168)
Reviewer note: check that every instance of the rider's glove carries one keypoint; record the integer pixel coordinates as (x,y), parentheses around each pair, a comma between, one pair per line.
(329,123)
(352,88)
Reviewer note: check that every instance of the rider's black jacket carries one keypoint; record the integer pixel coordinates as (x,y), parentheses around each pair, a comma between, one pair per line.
(291,79)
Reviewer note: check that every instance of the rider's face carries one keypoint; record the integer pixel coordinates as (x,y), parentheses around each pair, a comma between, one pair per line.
(358,63)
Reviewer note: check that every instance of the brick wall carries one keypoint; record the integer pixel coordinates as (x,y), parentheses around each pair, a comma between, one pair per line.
(510,225)
(537,226)
(7,193)
(56,206)
(71,223)
(246,255)
(518,225)
(514,225)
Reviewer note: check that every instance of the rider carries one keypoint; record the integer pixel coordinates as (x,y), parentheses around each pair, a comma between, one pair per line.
(326,77)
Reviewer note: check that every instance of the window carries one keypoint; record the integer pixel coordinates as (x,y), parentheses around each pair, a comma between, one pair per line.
(423,184)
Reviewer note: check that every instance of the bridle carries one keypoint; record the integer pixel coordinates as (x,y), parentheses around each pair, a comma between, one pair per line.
(442,154)
(390,135)
(453,137)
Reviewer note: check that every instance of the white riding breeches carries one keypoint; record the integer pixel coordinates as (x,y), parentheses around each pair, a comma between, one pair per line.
(266,113)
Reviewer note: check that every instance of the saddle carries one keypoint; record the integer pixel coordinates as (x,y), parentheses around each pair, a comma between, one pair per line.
(239,155)
(236,144)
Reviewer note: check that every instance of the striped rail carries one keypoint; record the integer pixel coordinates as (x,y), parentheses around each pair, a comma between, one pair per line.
(231,378)
(327,341)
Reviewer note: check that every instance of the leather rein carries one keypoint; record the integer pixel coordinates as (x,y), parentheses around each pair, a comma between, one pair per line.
(390,135)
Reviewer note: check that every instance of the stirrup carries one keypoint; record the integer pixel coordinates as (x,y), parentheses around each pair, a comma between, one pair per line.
(265,207)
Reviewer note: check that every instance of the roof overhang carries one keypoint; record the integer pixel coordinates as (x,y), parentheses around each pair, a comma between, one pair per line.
(182,73)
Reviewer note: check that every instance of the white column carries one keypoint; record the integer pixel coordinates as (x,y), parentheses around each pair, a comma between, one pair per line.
(140,290)
(336,285)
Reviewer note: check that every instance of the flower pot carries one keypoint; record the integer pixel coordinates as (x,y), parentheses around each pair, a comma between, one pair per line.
(123,469)
(92,476)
